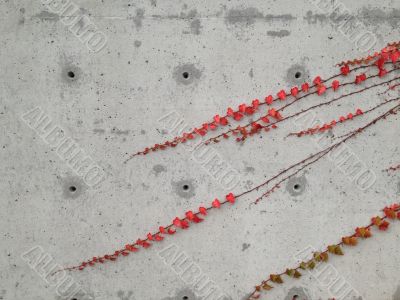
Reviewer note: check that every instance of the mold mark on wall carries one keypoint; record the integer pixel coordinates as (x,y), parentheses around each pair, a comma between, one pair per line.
(47,16)
(296,185)
(378,16)
(298,293)
(184,188)
(157,169)
(297,74)
(73,187)
(279,33)
(70,74)
(186,74)
(138,18)
(243,17)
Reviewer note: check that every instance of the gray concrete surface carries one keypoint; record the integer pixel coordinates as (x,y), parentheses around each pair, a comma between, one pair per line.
(109,105)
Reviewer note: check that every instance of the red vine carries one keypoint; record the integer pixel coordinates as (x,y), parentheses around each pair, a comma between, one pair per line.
(390,212)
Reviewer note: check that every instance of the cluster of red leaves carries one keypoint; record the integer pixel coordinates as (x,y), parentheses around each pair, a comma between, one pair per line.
(327,126)
(390,212)
(391,47)
(181,223)
(231,116)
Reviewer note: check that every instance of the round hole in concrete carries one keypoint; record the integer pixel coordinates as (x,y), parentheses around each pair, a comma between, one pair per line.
(185,75)
(185,187)
(295,297)
(72,189)
(297,187)
(185,298)
(297,75)
(71,74)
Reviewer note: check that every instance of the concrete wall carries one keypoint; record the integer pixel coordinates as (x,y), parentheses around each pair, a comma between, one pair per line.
(108,97)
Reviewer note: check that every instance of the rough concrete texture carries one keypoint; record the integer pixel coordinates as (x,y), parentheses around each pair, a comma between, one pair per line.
(195,58)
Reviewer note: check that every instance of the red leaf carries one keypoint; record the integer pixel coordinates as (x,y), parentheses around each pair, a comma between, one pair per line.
(335,85)
(216,203)
(149,236)
(162,229)
(305,87)
(177,222)
(294,91)
(345,70)
(249,110)
(265,119)
(237,116)
(229,112)
(217,118)
(203,210)
(317,80)
(171,231)
(321,89)
(190,215)
(394,56)
(269,100)
(281,95)
(242,107)
(384,225)
(230,198)
(255,103)
(158,237)
(223,121)
(359,112)
(272,112)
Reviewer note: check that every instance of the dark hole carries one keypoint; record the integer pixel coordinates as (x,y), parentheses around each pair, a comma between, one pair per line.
(295,297)
(72,188)
(296,186)
(71,74)
(185,297)
(185,187)
(297,74)
(74,299)
(185,75)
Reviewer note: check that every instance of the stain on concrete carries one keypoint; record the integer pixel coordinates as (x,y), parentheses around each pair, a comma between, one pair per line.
(396,295)
(142,132)
(157,169)
(186,74)
(312,18)
(249,170)
(243,17)
(125,296)
(245,246)
(251,74)
(279,33)
(285,18)
(70,74)
(137,20)
(137,43)
(153,3)
(101,131)
(297,74)
(195,26)
(296,185)
(194,21)
(398,188)
(119,131)
(298,293)
(47,16)
(73,187)
(184,188)
(375,16)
